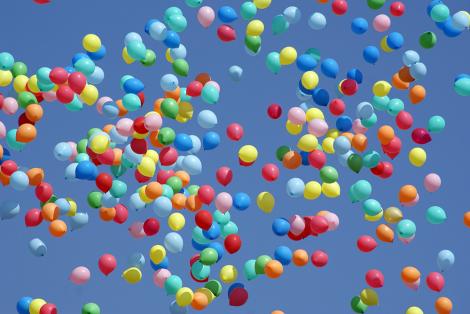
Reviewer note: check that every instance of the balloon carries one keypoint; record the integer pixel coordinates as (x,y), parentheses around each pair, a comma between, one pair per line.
(406,228)
(239,295)
(9,209)
(436,215)
(36,305)
(358,306)
(418,71)
(37,247)
(248,154)
(173,242)
(417,157)
(279,24)
(234,131)
(226,33)
(445,260)
(436,124)
(375,278)
(295,187)
(432,182)
(339,7)
(381,23)
(414,310)
(273,62)
(319,258)
(80,275)
(22,306)
(235,72)
(462,86)
(262,4)
(443,305)
(330,68)
(395,40)
(265,201)
(280,226)
(369,297)
(460,20)
(359,26)
(292,14)
(205,16)
(232,243)
(371,54)
(228,273)
(440,13)
(428,40)
(435,281)
(287,56)
(397,8)
(132,275)
(317,21)
(360,191)
(107,263)
(366,244)
(248,10)
(223,202)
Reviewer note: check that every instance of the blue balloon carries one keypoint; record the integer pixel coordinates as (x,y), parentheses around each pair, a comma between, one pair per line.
(219,248)
(450,30)
(79,56)
(196,144)
(364,110)
(321,97)
(343,159)
(70,69)
(169,82)
(198,246)
(9,209)
(162,265)
(133,86)
(241,201)
(330,68)
(344,123)
(207,119)
(97,55)
(22,306)
(19,181)
(172,39)
(62,151)
(136,204)
(355,74)
(292,14)
(210,140)
(70,171)
(148,25)
(6,155)
(445,260)
(235,72)
(342,145)
(86,170)
(359,26)
(138,260)
(283,254)
(176,309)
(183,142)
(410,57)
(395,40)
(418,70)
(64,205)
(295,187)
(162,207)
(371,54)
(213,232)
(306,62)
(280,226)
(227,14)
(158,31)
(304,156)
(37,247)
(96,77)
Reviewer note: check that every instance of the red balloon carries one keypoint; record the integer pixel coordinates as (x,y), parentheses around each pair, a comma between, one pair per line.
(65,94)
(393,148)
(224,175)
(238,296)
(337,107)
(270,172)
(8,167)
(194,89)
(168,156)
(139,145)
(375,278)
(404,120)
(164,175)
(44,191)
(232,243)
(77,82)
(104,182)
(421,136)
(296,237)
(226,33)
(319,258)
(106,158)
(317,158)
(58,75)
(140,177)
(308,228)
(1,100)
(349,87)
(141,96)
(22,119)
(235,132)
(139,125)
(48,308)
(245,164)
(203,219)
(194,259)
(339,7)
(397,8)
(107,264)
(33,217)
(151,226)
(319,224)
(435,281)
(274,111)
(387,170)
(366,243)
(121,214)
(206,194)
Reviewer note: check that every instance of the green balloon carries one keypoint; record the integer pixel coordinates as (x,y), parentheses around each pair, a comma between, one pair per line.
(200,271)
(221,218)
(248,10)
(127,163)
(166,136)
(150,58)
(118,189)
(181,67)
(436,124)
(436,215)
(253,43)
(193,189)
(177,23)
(175,183)
(371,159)
(370,122)
(440,13)
(428,40)
(91,308)
(229,228)
(249,270)
(375,4)
(281,151)
(273,62)
(462,86)
(173,284)
(355,162)
(315,53)
(193,3)
(170,108)
(214,286)
(279,24)
(328,174)
(94,199)
(26,98)
(208,256)
(93,131)
(358,306)
(82,145)
(51,200)
(260,263)
(210,94)
(19,68)
(170,12)
(380,103)
(118,170)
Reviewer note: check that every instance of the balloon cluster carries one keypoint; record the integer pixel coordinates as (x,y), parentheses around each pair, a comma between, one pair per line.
(28,305)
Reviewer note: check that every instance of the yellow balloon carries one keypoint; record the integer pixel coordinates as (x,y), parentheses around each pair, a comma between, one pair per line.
(339,87)
(152,154)
(99,143)
(310,80)
(181,119)
(35,306)
(254,28)
(90,94)
(307,143)
(331,190)
(417,156)
(210,296)
(384,46)
(147,167)
(5,78)
(176,221)
(327,145)
(125,56)
(140,136)
(157,254)
(293,129)
(314,113)
(288,55)
(33,84)
(73,207)
(262,4)
(369,297)
(184,296)
(393,215)
(132,275)
(228,273)
(248,153)
(143,196)
(91,43)
(185,110)
(414,310)
(381,88)
(374,218)
(334,133)
(168,56)
(19,83)
(265,202)
(312,190)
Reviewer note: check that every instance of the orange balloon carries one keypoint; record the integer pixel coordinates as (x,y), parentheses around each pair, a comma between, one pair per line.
(385,233)
(107,213)
(398,83)
(153,190)
(273,269)
(179,201)
(203,78)
(35,175)
(200,301)
(175,94)
(292,160)
(50,211)
(323,2)
(348,135)
(193,203)
(26,133)
(157,104)
(57,228)
(107,128)
(410,274)
(184,176)
(1,151)
(405,76)
(466,219)
(359,142)
(34,112)
(279,311)
(407,193)
(443,305)
(4,178)
(122,111)
(117,156)
(417,94)
(385,134)
(300,257)
(153,137)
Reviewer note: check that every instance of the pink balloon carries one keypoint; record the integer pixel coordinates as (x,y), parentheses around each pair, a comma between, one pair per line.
(205,16)
(375,278)
(137,230)
(317,159)
(73,145)
(358,127)
(413,202)
(333,220)
(49,96)
(160,276)
(80,275)
(297,224)
(215,84)
(319,224)
(223,202)
(153,122)
(3,130)
(10,106)
(404,120)
(432,182)
(296,115)
(366,243)
(270,172)
(317,127)
(107,264)
(224,175)
(435,281)
(413,285)
(381,23)
(125,127)
(319,258)
(407,240)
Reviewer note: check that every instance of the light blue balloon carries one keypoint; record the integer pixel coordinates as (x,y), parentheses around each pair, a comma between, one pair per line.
(162,206)
(304,106)
(343,159)
(169,82)
(410,57)
(192,165)
(132,156)
(292,14)
(360,191)
(135,203)
(235,73)
(330,68)
(78,221)
(6,61)
(158,31)
(445,260)
(341,145)
(461,20)
(108,200)
(64,205)
(418,70)
(210,94)
(116,137)
(380,103)
(170,12)
(176,309)
(436,215)
(132,36)
(62,151)
(317,21)
(85,65)
(198,236)
(9,209)
(179,162)
(96,77)
(406,228)
(279,24)
(136,260)
(136,49)
(70,171)
(19,181)
(221,218)
(178,53)
(364,110)
(37,247)
(371,207)
(440,13)
(295,187)
(197,144)
(249,270)
(436,124)
(207,119)
(173,242)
